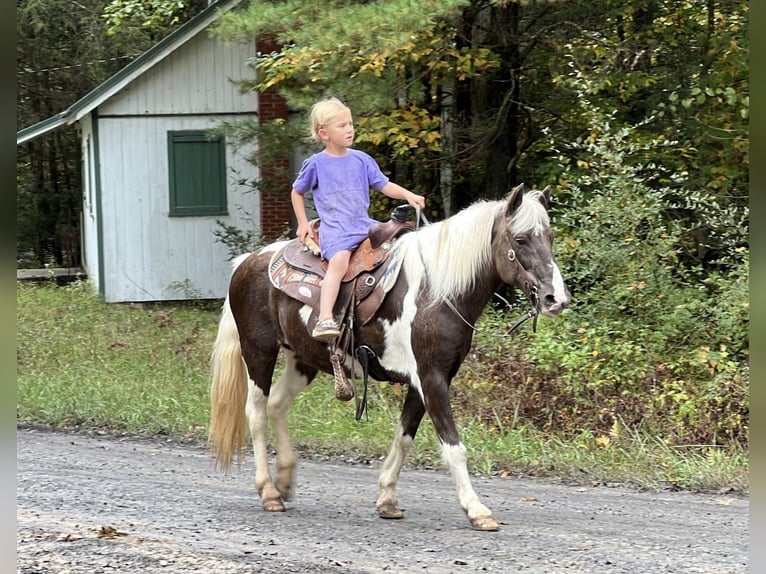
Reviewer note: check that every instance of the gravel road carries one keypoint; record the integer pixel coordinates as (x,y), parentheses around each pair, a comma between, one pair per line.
(103,504)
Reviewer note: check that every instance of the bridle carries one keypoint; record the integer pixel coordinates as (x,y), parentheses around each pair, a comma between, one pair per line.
(532,296)
(533,313)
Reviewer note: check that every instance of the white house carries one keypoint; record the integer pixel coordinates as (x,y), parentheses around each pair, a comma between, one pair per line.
(154,183)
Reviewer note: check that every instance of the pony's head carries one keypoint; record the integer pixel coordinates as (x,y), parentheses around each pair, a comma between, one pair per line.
(510,240)
(522,250)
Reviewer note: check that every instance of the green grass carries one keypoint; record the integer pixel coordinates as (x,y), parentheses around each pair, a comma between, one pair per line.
(143,369)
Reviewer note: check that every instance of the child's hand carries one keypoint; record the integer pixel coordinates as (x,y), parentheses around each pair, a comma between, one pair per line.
(416,200)
(304,230)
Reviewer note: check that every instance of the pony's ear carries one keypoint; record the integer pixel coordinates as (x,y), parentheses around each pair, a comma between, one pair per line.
(514,199)
(545,198)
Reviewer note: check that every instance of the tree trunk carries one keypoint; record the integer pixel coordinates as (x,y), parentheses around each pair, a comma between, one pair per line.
(488,106)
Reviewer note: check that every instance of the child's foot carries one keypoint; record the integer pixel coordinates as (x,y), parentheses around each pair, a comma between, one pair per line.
(326,330)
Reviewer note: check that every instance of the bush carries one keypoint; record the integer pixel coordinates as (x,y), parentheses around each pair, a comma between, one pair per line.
(652,340)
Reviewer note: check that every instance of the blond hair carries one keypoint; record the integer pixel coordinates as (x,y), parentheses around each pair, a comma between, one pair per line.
(323,111)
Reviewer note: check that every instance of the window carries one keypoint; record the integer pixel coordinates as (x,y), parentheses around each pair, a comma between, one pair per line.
(197,174)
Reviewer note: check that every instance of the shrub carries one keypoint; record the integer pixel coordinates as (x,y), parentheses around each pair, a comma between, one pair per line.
(653,339)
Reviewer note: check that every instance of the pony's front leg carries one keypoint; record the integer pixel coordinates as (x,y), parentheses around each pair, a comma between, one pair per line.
(412,414)
(295,378)
(454,454)
(479,515)
(257,417)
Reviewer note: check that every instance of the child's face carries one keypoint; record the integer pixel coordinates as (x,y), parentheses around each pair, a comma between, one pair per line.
(338,131)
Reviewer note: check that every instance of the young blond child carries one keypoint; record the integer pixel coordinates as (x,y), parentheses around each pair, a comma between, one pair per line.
(340,178)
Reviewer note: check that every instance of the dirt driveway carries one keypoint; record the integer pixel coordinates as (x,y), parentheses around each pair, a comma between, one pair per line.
(105,505)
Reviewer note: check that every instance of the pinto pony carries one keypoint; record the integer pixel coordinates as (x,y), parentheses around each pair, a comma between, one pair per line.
(419,337)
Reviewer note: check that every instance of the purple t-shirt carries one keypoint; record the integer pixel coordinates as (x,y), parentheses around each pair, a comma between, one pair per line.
(341,189)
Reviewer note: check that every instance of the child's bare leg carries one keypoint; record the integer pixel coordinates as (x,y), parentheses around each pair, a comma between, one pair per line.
(327,328)
(336,269)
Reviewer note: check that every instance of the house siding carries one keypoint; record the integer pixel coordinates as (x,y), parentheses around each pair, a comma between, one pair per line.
(196,79)
(148,255)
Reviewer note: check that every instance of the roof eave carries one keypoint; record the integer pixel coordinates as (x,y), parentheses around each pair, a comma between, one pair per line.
(41,128)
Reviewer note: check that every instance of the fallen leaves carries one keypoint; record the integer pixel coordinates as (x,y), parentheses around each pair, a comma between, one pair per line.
(109,532)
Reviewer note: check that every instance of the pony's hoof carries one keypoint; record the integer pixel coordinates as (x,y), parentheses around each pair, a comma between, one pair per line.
(485,524)
(286,494)
(273,505)
(390,511)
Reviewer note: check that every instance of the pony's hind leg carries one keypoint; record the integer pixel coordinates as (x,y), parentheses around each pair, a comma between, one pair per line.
(295,377)
(412,413)
(257,418)
(260,408)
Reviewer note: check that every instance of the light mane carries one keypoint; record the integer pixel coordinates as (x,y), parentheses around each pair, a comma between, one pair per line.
(451,254)
(531,217)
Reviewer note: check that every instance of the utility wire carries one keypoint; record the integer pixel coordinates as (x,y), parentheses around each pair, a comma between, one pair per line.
(72,66)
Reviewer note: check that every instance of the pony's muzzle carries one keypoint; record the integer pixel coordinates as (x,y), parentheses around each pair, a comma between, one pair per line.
(552,305)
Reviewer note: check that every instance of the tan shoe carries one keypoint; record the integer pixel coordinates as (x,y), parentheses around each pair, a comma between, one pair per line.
(326,330)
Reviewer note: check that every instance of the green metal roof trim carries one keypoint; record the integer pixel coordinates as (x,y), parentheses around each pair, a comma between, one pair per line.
(137,67)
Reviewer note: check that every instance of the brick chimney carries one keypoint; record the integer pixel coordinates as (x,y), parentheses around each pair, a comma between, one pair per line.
(276,208)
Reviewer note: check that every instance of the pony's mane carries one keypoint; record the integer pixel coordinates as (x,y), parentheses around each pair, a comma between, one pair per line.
(532,216)
(452,253)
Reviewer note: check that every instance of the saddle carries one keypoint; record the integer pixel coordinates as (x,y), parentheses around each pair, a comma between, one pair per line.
(298,271)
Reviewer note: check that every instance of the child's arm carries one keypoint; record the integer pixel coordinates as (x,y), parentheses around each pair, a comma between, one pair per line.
(396,191)
(299,207)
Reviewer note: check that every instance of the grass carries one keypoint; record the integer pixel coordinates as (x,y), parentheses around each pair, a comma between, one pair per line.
(143,369)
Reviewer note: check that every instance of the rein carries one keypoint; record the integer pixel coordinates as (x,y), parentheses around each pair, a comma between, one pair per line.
(533,313)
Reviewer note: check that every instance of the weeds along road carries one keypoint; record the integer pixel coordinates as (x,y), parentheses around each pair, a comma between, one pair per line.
(105,505)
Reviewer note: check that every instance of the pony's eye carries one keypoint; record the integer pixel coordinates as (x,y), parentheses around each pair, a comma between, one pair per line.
(520,239)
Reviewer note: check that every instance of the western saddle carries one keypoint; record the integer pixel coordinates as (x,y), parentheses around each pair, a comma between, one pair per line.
(298,271)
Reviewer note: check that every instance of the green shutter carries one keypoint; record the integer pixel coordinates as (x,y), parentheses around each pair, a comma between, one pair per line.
(197,174)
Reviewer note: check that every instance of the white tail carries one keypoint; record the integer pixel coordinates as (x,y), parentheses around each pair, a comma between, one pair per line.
(228,393)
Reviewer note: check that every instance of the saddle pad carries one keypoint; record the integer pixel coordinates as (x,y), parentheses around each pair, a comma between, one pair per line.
(297,283)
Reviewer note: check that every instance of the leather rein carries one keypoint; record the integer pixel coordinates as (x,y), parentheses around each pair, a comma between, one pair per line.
(533,313)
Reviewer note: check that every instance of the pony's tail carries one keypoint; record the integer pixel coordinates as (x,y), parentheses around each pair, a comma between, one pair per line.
(228,393)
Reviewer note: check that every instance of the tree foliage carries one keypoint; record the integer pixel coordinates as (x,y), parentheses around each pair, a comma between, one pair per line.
(652,344)
(63,52)
(149,14)
(679,71)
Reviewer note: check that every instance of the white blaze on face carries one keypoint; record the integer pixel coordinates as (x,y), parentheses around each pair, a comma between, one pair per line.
(559,290)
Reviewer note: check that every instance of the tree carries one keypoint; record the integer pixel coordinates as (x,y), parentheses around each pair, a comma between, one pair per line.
(679,70)
(52,72)
(153,15)
(63,52)
(395,80)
